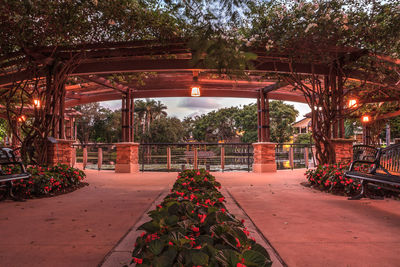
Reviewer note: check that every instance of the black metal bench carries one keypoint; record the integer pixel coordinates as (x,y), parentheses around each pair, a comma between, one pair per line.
(8,158)
(385,167)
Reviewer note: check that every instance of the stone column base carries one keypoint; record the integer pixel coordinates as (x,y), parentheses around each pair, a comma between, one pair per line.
(264,157)
(127,158)
(343,149)
(60,152)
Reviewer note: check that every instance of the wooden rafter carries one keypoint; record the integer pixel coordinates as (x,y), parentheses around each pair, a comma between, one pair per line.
(106,83)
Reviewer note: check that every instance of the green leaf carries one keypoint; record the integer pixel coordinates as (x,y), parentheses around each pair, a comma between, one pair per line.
(257,247)
(228,257)
(173,209)
(150,227)
(254,258)
(171,220)
(163,261)
(156,246)
(199,258)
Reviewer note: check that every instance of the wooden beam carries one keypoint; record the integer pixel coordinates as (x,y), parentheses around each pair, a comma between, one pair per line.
(107,83)
(389,115)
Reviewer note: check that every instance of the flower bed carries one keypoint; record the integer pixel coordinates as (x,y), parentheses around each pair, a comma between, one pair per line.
(192,227)
(330,178)
(46,181)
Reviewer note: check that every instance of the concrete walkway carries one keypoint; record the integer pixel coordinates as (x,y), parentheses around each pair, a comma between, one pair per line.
(306,227)
(311,228)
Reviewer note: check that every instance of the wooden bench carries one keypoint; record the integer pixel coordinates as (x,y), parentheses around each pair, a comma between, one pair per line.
(385,167)
(8,158)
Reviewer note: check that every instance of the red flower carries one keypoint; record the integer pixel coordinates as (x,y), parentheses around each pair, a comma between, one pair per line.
(137,260)
(237,242)
(223,210)
(195,229)
(221,199)
(202,217)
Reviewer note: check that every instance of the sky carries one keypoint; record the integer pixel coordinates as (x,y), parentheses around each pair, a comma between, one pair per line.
(182,107)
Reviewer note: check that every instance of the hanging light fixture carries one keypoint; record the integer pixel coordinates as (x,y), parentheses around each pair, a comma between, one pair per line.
(21,118)
(195,89)
(365,119)
(37,103)
(352,103)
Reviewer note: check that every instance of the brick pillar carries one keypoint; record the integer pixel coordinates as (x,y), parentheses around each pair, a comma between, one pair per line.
(343,149)
(264,157)
(60,152)
(127,157)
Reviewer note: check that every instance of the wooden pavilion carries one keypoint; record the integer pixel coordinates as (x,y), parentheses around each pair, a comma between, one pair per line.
(170,72)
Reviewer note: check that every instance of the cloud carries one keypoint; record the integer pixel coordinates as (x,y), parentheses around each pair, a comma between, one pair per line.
(113,105)
(199,103)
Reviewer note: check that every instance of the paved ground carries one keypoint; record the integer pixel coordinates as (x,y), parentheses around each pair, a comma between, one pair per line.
(310,228)
(306,227)
(80,228)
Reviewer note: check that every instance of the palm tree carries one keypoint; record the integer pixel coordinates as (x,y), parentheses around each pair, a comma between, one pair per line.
(140,110)
(159,110)
(149,105)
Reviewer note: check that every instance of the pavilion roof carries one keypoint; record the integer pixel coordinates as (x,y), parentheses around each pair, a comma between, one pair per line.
(171,68)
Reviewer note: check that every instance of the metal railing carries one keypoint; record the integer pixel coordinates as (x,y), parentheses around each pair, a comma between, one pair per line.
(294,156)
(210,156)
(101,156)
(178,156)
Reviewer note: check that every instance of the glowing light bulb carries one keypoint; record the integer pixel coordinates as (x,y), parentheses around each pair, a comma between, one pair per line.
(352,103)
(195,91)
(37,103)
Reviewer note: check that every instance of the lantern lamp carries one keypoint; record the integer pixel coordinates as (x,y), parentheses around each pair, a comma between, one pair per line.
(195,91)
(195,86)
(21,118)
(37,103)
(352,103)
(365,119)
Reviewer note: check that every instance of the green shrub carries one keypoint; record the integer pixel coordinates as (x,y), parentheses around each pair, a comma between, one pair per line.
(192,227)
(46,180)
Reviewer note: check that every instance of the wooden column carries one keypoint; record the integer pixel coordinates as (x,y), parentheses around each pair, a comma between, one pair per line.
(168,157)
(262,117)
(123,119)
(222,157)
(195,159)
(128,110)
(131,116)
(291,157)
(84,157)
(258,119)
(99,158)
(267,120)
(341,106)
(61,113)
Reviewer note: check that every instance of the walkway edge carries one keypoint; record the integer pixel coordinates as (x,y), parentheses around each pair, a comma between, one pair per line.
(270,248)
(118,254)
